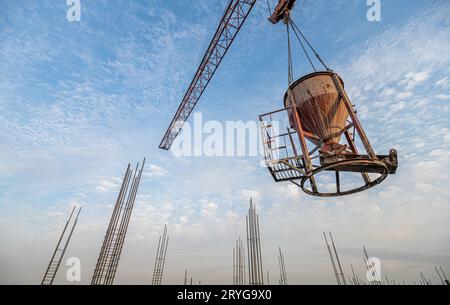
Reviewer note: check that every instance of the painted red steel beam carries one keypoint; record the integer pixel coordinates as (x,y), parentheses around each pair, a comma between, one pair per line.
(235,15)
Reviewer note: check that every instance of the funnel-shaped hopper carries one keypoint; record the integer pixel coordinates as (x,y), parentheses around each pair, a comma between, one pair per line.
(322,112)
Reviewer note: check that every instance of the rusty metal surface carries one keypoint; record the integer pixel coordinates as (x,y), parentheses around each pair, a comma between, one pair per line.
(376,166)
(320,107)
(354,118)
(280,11)
(306,156)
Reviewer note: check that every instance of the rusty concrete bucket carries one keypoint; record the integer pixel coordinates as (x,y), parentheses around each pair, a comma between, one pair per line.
(323,117)
(321,109)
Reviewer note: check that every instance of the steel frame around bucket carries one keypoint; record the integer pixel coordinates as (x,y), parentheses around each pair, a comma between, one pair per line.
(281,169)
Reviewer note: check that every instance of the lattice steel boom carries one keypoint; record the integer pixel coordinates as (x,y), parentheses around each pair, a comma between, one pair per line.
(235,15)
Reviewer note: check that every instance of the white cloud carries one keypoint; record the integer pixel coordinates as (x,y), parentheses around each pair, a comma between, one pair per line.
(398,106)
(404,95)
(413,79)
(389,91)
(210,206)
(443,83)
(246,194)
(108,185)
(443,96)
(154,170)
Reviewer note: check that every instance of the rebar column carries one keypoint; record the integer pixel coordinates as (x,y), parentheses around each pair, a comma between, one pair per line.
(59,252)
(111,250)
(255,270)
(160,260)
(283,277)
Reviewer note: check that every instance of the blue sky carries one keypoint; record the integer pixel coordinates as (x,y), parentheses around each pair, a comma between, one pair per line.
(79,100)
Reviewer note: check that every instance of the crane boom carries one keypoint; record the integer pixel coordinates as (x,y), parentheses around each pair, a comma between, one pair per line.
(234,17)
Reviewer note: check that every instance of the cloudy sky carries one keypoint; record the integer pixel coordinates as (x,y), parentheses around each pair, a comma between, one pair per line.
(80,100)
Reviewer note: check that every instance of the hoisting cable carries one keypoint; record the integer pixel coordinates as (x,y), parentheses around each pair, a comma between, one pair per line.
(303,47)
(290,68)
(269,8)
(295,28)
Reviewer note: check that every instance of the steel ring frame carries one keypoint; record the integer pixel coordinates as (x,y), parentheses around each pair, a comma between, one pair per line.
(377,181)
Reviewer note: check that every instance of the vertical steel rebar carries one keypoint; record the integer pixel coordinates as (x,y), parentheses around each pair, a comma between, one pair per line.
(160,259)
(355,279)
(332,260)
(111,250)
(367,261)
(338,261)
(59,253)
(283,276)
(250,278)
(445,277)
(261,280)
(110,235)
(255,269)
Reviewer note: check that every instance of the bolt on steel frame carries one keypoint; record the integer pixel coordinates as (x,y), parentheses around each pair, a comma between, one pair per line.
(58,254)
(160,260)
(111,250)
